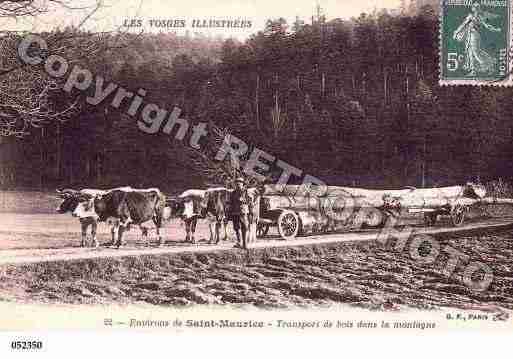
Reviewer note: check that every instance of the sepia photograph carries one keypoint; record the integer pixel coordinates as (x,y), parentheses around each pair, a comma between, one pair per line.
(331,166)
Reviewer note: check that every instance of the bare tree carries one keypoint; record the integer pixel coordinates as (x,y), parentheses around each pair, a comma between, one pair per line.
(214,171)
(28,93)
(203,159)
(29,97)
(23,8)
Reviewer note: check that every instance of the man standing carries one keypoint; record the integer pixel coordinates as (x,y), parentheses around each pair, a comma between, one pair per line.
(239,206)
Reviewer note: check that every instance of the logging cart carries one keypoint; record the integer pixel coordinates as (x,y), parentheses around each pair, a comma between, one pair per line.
(295,215)
(286,220)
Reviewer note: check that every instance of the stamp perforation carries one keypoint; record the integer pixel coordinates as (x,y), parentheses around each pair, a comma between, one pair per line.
(482,80)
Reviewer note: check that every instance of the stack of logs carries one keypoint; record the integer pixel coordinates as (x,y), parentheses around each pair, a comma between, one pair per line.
(299,198)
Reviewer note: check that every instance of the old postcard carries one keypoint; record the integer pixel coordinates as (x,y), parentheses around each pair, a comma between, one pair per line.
(247,167)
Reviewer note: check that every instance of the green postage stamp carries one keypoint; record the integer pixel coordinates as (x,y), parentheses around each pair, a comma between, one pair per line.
(475,42)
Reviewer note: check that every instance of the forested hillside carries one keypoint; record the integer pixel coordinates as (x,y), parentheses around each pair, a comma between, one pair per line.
(353,102)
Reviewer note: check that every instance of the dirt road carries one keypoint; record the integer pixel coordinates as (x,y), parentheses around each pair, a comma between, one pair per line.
(57,244)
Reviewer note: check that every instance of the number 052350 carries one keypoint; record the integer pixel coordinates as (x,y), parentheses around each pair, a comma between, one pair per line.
(26,345)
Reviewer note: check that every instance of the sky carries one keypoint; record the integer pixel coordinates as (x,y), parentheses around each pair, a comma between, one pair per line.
(113,14)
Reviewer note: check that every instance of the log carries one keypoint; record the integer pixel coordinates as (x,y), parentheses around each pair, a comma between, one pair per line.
(302,203)
(468,190)
(338,198)
(494,200)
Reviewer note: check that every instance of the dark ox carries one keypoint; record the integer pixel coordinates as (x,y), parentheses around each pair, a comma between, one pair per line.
(255,196)
(209,204)
(214,205)
(216,209)
(130,207)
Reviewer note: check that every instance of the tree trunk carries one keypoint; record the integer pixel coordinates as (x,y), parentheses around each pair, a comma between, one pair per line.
(42,161)
(98,167)
(424,163)
(291,196)
(385,75)
(406,157)
(58,159)
(89,161)
(71,176)
(257,105)
(323,84)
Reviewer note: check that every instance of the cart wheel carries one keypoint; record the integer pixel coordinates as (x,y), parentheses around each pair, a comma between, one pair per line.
(430,218)
(288,224)
(262,229)
(458,215)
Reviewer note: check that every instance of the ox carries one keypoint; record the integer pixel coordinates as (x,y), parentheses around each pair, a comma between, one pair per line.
(216,209)
(255,195)
(209,204)
(73,199)
(81,205)
(187,207)
(213,204)
(130,207)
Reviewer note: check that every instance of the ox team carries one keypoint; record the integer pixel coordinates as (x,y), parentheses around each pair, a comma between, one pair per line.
(125,206)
